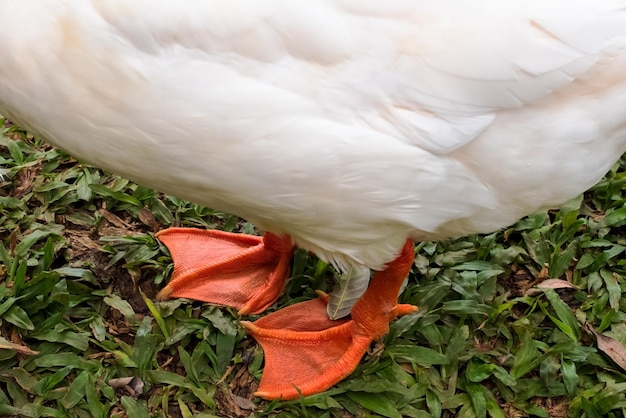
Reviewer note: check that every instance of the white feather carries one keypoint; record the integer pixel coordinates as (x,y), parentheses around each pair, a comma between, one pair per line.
(348,124)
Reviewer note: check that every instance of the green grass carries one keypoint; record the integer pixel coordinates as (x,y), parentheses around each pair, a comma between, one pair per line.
(79,269)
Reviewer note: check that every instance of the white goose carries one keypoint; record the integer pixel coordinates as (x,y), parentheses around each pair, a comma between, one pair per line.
(345,127)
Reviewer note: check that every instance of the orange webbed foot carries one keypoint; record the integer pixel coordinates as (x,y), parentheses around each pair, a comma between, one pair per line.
(244,271)
(307,353)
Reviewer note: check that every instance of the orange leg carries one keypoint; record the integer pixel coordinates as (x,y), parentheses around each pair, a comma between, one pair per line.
(244,271)
(307,353)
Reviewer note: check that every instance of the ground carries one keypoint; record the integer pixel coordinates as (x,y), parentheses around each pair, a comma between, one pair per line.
(507,326)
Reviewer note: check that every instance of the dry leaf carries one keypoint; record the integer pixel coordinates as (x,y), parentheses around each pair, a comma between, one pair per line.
(243,403)
(18,348)
(13,242)
(82,239)
(114,219)
(133,385)
(147,218)
(120,382)
(550,284)
(611,347)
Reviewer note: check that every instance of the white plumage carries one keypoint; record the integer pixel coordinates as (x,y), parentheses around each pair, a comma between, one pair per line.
(348,124)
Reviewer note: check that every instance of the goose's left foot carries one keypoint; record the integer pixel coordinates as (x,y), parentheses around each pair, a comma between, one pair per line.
(307,353)
(244,271)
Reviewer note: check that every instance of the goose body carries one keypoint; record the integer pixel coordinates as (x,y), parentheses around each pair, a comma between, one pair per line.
(349,125)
